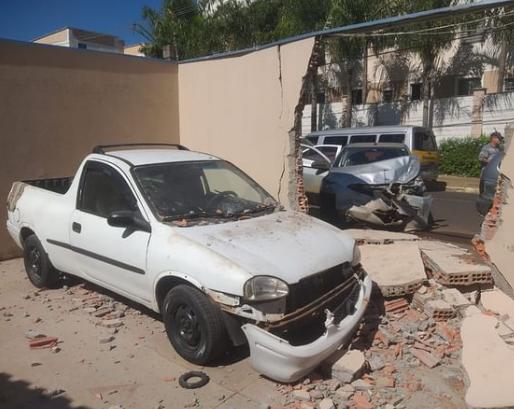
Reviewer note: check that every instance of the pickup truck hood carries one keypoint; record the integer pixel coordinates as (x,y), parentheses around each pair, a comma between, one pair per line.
(286,245)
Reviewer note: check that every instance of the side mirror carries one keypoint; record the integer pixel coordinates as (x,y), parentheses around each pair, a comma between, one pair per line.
(320,165)
(131,220)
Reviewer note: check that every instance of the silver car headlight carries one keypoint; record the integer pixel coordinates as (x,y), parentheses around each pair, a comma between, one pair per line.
(356,259)
(265,288)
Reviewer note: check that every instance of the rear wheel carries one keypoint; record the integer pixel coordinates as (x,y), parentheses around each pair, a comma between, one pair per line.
(39,269)
(194,325)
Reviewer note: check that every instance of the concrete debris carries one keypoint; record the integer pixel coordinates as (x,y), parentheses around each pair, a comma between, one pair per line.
(348,367)
(488,361)
(394,275)
(33,334)
(455,298)
(301,395)
(114,323)
(326,403)
(369,236)
(425,357)
(439,310)
(452,265)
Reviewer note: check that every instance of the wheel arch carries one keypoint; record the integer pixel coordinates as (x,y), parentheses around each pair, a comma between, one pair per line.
(167,281)
(26,232)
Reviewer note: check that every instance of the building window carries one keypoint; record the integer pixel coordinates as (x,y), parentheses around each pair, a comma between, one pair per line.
(416,91)
(357,96)
(508,84)
(82,45)
(387,96)
(465,86)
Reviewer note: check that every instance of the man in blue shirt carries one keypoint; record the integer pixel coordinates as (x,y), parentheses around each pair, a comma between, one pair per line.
(491,149)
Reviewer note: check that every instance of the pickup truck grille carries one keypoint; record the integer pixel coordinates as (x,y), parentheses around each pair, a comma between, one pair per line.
(313,287)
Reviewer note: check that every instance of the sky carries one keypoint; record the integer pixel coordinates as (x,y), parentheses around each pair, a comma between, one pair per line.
(26,19)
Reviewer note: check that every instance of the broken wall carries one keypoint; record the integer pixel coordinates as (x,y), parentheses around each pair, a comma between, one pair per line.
(57,103)
(498,227)
(242,109)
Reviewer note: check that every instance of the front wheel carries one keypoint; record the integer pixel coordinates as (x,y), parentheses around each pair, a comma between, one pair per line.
(39,269)
(194,325)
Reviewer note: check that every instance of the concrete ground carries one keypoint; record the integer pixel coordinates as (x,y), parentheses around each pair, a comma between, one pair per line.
(138,369)
(459,183)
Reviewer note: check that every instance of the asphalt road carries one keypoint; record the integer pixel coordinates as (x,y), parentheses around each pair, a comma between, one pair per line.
(455,214)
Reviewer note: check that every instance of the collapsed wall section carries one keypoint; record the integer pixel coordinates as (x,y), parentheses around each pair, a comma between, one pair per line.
(242,109)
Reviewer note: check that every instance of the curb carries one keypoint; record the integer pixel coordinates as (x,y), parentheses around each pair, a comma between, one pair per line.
(462,189)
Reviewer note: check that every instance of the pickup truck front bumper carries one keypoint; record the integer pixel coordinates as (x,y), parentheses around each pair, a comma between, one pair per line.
(277,359)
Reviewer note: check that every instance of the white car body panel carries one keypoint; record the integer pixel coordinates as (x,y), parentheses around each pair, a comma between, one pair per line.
(216,258)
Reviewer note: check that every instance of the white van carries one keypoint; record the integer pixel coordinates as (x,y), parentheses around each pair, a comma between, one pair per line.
(420,141)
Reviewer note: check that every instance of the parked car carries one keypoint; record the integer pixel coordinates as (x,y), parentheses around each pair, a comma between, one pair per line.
(195,239)
(378,184)
(420,141)
(488,181)
(312,176)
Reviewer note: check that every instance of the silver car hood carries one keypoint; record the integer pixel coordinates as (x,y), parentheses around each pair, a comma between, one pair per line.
(284,244)
(398,170)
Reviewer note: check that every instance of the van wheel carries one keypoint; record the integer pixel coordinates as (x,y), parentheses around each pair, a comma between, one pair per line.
(194,325)
(39,269)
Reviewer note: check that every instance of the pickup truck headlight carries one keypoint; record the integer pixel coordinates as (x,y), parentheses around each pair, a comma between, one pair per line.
(265,288)
(356,259)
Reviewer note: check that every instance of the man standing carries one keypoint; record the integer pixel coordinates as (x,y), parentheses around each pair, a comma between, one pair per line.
(491,149)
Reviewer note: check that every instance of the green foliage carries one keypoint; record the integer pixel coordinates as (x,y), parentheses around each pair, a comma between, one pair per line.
(460,156)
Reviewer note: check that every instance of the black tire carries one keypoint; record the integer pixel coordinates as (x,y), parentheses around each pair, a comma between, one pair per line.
(39,269)
(194,325)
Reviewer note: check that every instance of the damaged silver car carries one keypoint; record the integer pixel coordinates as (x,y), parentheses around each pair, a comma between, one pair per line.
(378,185)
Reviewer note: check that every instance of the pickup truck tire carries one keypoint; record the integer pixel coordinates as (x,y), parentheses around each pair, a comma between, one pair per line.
(194,325)
(39,269)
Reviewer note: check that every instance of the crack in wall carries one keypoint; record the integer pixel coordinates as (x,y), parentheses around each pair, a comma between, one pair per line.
(284,153)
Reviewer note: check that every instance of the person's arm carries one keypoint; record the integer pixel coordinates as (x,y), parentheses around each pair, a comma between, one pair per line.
(483,156)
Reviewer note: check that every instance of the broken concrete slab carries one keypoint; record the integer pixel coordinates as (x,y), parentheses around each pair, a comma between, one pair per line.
(396,268)
(370,236)
(488,362)
(500,303)
(453,265)
(455,298)
(347,367)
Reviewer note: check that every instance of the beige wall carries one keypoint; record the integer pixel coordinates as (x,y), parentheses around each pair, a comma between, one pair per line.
(242,110)
(57,103)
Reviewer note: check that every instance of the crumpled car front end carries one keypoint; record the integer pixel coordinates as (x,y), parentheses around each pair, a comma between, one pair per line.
(387,193)
(287,349)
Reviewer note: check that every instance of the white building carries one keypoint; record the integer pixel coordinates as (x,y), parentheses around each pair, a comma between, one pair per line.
(78,38)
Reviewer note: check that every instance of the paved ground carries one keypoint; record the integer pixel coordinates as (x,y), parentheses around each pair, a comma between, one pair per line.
(455,213)
(138,369)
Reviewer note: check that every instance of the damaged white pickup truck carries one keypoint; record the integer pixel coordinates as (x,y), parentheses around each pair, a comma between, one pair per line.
(194,238)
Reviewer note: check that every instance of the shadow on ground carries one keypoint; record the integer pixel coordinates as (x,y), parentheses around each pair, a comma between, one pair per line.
(20,395)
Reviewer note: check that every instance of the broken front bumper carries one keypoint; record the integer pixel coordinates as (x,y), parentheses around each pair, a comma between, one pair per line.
(277,359)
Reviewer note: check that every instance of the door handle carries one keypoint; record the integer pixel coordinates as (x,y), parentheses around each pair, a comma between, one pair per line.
(76,227)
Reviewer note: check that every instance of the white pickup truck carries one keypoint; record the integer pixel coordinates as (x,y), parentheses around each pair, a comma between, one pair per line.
(194,238)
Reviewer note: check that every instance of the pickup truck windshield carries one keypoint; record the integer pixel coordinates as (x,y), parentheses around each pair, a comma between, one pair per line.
(202,189)
(361,156)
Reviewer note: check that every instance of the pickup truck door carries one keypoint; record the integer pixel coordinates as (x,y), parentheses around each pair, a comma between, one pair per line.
(104,253)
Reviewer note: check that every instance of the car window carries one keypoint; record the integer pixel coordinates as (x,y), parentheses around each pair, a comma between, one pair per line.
(329,151)
(213,188)
(104,191)
(361,156)
(336,140)
(311,154)
(392,137)
(424,141)
(363,138)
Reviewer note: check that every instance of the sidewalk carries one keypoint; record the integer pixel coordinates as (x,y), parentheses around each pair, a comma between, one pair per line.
(458,183)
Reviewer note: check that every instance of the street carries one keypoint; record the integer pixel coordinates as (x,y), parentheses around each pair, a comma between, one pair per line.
(455,214)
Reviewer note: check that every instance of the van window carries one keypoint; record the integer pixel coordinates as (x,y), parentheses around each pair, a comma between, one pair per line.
(363,138)
(335,140)
(312,139)
(392,137)
(424,141)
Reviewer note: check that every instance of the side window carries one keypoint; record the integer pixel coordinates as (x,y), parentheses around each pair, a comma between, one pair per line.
(424,141)
(363,138)
(329,151)
(103,191)
(311,154)
(392,137)
(336,140)
(312,139)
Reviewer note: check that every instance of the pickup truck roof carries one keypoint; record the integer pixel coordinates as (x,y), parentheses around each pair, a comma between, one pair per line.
(138,157)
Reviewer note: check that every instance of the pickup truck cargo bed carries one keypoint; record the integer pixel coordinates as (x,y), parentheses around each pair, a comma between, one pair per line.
(57,185)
